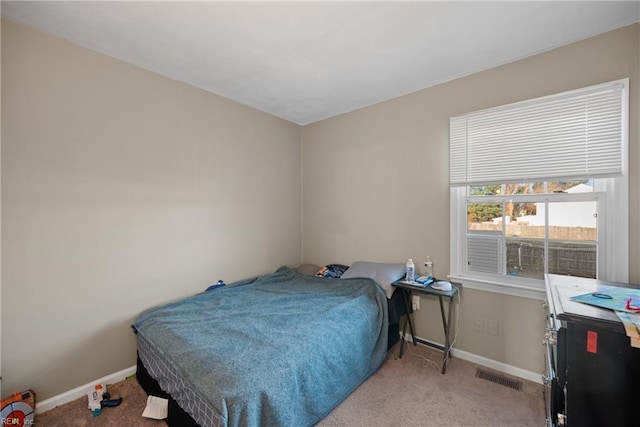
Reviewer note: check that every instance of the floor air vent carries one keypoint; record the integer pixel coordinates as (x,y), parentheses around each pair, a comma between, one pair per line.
(498,379)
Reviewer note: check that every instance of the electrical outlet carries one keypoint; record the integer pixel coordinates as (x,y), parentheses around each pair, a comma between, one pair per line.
(492,327)
(415,301)
(478,325)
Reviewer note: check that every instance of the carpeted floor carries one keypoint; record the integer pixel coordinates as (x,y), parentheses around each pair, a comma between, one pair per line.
(407,392)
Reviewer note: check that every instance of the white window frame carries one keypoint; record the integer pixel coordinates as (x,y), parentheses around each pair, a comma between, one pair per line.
(612,194)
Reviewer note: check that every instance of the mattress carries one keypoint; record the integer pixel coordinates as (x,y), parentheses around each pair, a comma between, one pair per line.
(177,417)
(337,340)
(170,378)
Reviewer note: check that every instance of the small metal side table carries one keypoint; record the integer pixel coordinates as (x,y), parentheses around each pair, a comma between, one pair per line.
(407,290)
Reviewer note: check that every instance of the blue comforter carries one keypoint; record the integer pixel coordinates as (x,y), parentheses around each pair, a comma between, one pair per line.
(279,350)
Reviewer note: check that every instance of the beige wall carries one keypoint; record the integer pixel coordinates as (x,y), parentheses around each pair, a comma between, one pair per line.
(122,189)
(376,181)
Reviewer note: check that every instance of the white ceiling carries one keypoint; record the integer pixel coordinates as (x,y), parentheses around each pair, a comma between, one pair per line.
(306,61)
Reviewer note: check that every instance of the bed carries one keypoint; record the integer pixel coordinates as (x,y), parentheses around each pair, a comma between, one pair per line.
(280,349)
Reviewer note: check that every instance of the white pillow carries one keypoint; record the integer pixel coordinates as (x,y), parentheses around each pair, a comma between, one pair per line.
(383,273)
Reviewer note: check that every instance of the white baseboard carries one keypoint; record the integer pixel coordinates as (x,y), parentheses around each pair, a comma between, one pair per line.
(535,377)
(82,390)
(489,363)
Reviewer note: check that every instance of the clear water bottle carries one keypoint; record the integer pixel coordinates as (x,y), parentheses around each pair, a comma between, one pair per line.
(428,267)
(411,271)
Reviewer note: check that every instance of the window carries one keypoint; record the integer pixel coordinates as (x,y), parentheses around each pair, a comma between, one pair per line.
(541,186)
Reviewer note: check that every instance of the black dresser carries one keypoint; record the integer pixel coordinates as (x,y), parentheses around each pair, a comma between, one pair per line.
(593,373)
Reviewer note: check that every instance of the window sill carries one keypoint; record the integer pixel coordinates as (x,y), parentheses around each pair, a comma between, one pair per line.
(501,287)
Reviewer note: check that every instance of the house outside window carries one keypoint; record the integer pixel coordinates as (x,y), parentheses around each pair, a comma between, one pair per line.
(541,187)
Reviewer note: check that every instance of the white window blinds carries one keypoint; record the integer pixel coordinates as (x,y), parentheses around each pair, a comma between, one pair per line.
(575,134)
